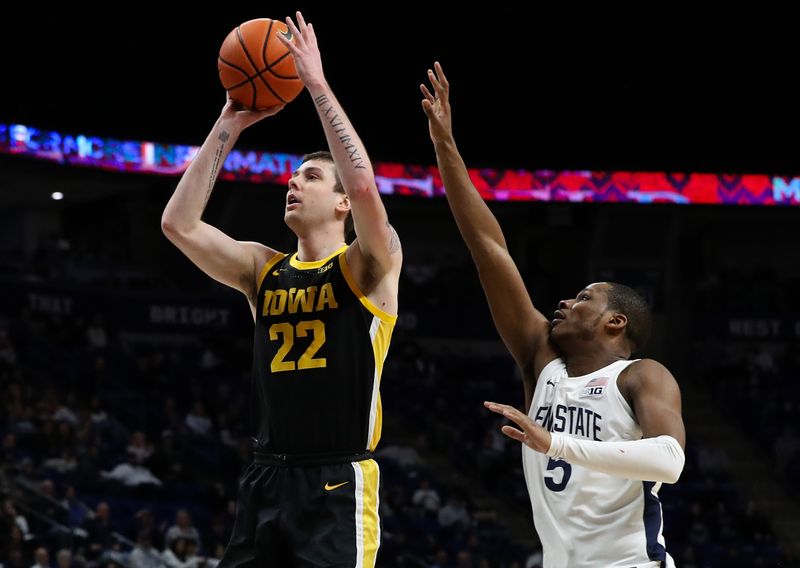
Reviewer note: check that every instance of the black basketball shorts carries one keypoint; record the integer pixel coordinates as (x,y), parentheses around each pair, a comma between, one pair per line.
(301,516)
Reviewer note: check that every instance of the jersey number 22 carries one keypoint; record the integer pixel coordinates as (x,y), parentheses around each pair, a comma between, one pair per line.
(288,332)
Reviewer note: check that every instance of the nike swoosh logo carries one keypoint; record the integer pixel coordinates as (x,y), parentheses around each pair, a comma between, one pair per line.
(276,273)
(329,487)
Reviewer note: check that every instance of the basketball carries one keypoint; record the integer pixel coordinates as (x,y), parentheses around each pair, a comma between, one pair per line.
(254,66)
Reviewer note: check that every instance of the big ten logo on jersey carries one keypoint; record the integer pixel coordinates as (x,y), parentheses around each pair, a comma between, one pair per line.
(594,388)
(293,300)
(325,268)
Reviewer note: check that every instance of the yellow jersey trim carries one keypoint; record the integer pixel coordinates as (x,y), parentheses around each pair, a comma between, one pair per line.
(380,349)
(267,267)
(373,309)
(370,538)
(314,263)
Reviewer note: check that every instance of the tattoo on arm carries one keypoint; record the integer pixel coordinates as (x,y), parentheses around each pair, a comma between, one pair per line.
(394,240)
(223,137)
(329,113)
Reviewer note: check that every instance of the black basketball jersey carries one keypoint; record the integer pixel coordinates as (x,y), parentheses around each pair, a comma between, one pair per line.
(318,354)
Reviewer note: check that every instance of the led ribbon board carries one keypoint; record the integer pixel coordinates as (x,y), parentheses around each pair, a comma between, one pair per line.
(408,179)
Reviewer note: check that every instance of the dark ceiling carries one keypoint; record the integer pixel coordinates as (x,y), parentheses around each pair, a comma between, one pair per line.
(530,88)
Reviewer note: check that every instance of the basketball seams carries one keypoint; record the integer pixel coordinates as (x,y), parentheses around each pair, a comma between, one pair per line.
(260,71)
(264,47)
(237,68)
(281,58)
(271,90)
(253,63)
(244,50)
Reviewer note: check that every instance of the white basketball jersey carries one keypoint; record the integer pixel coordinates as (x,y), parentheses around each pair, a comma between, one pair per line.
(585,518)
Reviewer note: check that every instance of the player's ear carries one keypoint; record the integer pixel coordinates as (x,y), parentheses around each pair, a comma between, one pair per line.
(343,204)
(617,321)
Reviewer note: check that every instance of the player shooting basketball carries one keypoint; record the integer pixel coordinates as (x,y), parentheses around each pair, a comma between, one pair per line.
(324,317)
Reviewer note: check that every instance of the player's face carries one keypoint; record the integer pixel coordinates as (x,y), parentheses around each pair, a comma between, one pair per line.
(581,317)
(311,198)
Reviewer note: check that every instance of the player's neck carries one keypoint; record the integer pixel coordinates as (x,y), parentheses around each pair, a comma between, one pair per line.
(590,358)
(318,245)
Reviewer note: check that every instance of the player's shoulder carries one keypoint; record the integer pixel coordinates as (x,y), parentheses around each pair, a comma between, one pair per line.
(647,366)
(264,258)
(643,372)
(263,255)
(261,252)
(549,365)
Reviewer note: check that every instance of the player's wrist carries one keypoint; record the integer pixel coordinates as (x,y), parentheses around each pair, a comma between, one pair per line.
(556,445)
(446,142)
(231,123)
(318,87)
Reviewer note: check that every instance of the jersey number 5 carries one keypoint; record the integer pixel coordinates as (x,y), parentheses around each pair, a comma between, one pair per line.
(566,473)
(288,332)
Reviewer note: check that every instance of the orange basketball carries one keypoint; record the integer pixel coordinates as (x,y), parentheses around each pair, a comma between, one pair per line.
(256,68)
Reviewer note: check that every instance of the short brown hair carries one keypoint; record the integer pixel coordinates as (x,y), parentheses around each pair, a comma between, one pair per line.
(326,156)
(628,301)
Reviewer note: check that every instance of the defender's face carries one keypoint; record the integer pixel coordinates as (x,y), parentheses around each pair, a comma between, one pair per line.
(311,197)
(582,316)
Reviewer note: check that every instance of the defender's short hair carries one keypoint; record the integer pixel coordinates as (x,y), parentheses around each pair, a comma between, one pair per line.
(640,318)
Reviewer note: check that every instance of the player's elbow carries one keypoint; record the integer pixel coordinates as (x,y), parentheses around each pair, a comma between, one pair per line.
(671,475)
(360,182)
(673,461)
(361,188)
(173,229)
(168,227)
(488,252)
